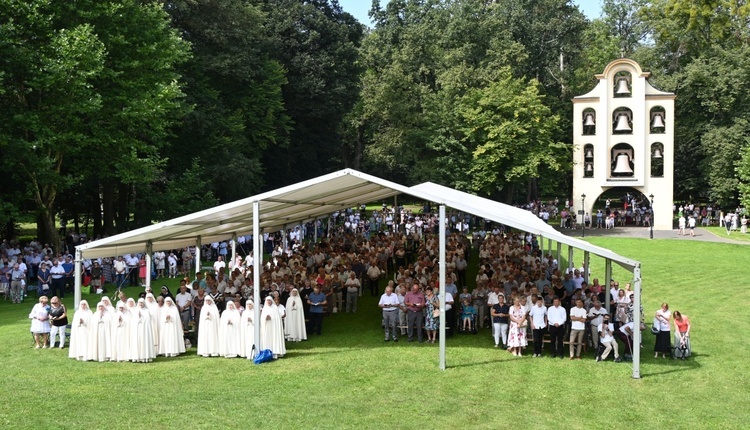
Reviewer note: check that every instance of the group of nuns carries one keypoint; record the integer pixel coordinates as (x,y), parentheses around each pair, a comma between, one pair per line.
(140,331)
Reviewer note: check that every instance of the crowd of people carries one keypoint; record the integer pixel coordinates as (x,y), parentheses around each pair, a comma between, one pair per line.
(523,295)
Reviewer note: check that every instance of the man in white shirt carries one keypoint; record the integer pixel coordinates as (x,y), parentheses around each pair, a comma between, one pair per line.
(172,260)
(595,317)
(556,318)
(607,333)
(389,302)
(577,328)
(538,315)
(373,278)
(352,292)
(219,264)
(132,264)
(159,263)
(120,269)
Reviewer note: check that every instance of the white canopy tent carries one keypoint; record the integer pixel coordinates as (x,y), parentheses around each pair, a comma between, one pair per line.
(317,198)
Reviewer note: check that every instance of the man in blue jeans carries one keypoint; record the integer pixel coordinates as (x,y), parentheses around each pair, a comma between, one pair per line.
(317,301)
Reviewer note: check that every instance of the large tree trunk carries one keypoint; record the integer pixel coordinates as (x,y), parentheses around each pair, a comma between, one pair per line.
(108,201)
(123,212)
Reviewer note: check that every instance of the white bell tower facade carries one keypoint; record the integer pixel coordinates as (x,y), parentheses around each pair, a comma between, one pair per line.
(623,136)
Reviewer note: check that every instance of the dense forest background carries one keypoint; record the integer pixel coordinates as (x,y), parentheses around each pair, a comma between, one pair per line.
(115,114)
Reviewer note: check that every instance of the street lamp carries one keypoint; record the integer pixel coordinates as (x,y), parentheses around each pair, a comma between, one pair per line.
(651,224)
(583,214)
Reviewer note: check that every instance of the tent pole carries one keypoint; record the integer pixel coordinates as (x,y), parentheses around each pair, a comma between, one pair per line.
(559,252)
(257,257)
(586,266)
(198,246)
(442,287)
(607,281)
(570,258)
(149,250)
(549,246)
(77,292)
(234,251)
(541,245)
(637,323)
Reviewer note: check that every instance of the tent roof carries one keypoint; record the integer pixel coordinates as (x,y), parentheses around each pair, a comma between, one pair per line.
(318,197)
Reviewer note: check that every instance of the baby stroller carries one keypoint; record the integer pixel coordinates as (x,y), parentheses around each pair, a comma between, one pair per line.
(680,350)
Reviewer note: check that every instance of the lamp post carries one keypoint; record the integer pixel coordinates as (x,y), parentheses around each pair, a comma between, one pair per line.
(651,224)
(583,214)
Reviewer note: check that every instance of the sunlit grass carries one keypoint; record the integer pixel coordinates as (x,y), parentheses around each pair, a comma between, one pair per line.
(349,377)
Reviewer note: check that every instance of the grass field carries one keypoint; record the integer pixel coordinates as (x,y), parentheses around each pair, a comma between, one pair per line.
(349,378)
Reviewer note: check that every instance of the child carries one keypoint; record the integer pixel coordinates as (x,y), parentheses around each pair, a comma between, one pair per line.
(467,315)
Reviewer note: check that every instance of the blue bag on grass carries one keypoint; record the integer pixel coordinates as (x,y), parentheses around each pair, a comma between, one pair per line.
(263,356)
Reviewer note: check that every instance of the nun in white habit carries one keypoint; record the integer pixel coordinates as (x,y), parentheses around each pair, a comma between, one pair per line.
(294,327)
(141,334)
(271,329)
(121,334)
(247,331)
(208,329)
(154,311)
(171,340)
(108,305)
(100,334)
(79,332)
(229,331)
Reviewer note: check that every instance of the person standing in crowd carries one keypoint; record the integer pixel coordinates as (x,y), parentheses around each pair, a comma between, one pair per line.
(40,325)
(578,317)
(131,261)
(517,331)
(556,318)
(17,281)
(352,292)
(79,332)
(247,331)
(271,329)
(682,345)
(431,322)
(184,301)
(317,302)
(59,319)
(294,329)
(415,302)
(171,341)
(121,269)
(208,329)
(389,303)
(100,335)
(499,314)
(595,320)
(141,334)
(121,334)
(229,331)
(538,316)
(44,280)
(662,345)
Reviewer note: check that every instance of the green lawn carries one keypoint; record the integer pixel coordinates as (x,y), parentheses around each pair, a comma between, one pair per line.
(722,232)
(349,378)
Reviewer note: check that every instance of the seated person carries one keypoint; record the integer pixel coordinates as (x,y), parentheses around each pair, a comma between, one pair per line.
(467,315)
(606,337)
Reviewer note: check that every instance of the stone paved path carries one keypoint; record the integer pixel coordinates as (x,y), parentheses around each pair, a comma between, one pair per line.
(643,232)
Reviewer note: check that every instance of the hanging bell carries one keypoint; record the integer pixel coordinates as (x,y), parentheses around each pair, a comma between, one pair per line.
(622,164)
(589,168)
(589,121)
(622,86)
(622,123)
(589,153)
(657,153)
(657,121)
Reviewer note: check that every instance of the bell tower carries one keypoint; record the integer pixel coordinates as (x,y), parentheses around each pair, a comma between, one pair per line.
(623,136)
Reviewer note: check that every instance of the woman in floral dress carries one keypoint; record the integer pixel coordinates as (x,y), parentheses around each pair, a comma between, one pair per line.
(431,323)
(517,329)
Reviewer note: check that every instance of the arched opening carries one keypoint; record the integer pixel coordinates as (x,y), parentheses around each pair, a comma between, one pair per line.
(588,161)
(622,121)
(622,206)
(621,161)
(589,122)
(657,160)
(658,117)
(622,85)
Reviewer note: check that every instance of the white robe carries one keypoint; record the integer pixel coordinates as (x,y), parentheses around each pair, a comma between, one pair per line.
(208,331)
(100,337)
(141,335)
(271,330)
(121,336)
(229,333)
(154,310)
(294,326)
(79,334)
(171,340)
(247,334)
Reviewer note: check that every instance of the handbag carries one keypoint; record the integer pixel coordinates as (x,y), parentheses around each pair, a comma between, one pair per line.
(263,356)
(436,313)
(655,326)
(86,290)
(45,287)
